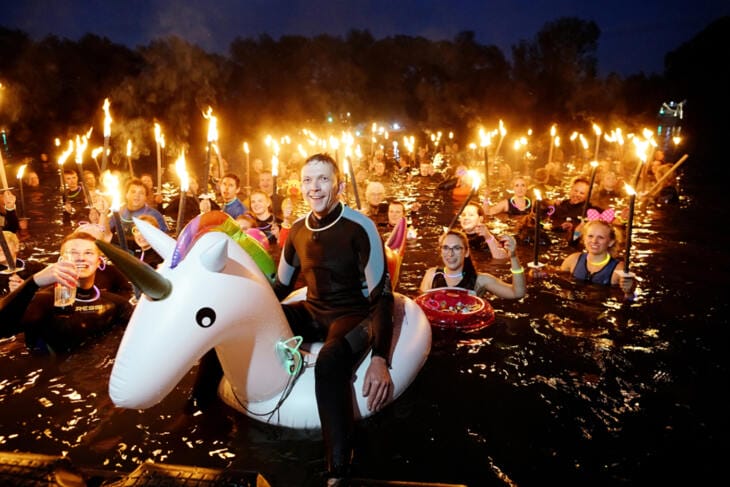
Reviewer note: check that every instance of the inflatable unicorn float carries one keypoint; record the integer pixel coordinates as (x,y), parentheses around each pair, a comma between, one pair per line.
(214,291)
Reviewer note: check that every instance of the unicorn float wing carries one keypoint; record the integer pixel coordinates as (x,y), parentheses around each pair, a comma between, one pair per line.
(211,293)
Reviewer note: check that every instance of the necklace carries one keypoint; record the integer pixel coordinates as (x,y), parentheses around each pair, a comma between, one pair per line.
(603,262)
(96,296)
(132,214)
(460,274)
(266,223)
(306,222)
(528,203)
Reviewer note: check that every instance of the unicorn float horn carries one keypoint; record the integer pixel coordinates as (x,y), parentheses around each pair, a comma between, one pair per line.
(141,274)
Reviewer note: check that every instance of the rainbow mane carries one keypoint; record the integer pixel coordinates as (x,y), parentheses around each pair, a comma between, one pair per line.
(218,221)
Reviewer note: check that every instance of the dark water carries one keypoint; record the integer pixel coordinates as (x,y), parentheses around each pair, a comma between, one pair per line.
(570,386)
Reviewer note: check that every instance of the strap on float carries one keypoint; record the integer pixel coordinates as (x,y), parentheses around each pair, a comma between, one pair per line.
(289,354)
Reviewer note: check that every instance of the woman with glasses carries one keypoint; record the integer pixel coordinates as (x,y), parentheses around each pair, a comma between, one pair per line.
(458,269)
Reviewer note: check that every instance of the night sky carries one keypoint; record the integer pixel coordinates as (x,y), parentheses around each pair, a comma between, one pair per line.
(635,35)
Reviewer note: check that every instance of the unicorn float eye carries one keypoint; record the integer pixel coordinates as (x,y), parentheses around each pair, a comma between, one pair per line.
(205,317)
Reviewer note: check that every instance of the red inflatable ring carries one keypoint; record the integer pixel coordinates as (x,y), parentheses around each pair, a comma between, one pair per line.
(454,308)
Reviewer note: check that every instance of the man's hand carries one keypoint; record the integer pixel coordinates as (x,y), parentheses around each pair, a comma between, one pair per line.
(14,282)
(378,386)
(62,272)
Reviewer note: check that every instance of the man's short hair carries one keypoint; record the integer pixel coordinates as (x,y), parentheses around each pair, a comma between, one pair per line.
(327,159)
(136,182)
(233,176)
(77,235)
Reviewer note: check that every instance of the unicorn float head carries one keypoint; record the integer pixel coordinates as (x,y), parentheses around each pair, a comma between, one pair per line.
(214,291)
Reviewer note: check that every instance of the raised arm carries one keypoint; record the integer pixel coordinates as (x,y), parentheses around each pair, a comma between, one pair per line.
(500,207)
(427,280)
(517,288)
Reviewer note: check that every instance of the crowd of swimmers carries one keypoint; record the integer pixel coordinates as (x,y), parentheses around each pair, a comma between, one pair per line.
(312,193)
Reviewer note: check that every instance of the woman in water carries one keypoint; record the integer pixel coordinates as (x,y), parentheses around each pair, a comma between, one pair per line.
(458,269)
(264,220)
(471,221)
(596,264)
(518,204)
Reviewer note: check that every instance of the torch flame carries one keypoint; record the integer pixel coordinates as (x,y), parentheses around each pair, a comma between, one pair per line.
(334,143)
(502,130)
(583,141)
(81,144)
(641,148)
(212,125)
(21,171)
(538,194)
(245,147)
(129,147)
(553,130)
(274,165)
(302,151)
(474,179)
(597,129)
(66,154)
(107,119)
(182,173)
(111,184)
(629,189)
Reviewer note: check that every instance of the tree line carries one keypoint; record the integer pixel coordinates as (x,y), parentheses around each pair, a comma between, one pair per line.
(55,87)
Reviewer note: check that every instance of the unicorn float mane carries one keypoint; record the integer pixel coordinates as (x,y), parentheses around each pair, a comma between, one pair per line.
(218,221)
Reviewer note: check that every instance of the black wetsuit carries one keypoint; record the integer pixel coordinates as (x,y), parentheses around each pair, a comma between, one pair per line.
(265,226)
(565,209)
(30,311)
(79,206)
(349,305)
(24,269)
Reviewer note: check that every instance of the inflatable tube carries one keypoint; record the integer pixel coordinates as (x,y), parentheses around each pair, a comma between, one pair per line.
(455,308)
(259,236)
(219,299)
(411,345)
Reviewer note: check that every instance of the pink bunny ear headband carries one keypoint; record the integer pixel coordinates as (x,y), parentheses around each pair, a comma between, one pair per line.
(605,216)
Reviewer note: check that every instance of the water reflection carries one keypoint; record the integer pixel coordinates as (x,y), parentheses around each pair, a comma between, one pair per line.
(570,383)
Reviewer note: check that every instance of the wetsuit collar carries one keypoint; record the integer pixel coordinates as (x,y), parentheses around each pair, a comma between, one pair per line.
(329,218)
